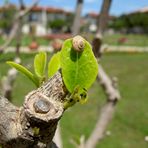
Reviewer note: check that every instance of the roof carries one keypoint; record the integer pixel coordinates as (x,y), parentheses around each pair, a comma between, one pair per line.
(49,9)
(93,14)
(39,9)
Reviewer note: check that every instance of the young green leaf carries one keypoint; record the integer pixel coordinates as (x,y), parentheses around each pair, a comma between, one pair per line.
(54,64)
(40,64)
(25,71)
(78,68)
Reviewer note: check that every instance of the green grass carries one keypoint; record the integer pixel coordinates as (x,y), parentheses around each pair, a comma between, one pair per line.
(130,123)
(26,41)
(131,39)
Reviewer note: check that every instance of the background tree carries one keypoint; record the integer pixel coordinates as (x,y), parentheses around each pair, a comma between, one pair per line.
(76,23)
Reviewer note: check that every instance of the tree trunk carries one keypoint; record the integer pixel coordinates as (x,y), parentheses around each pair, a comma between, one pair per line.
(101,25)
(76,23)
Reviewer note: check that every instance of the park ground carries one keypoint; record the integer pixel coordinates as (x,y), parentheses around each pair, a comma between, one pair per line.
(129,125)
(115,39)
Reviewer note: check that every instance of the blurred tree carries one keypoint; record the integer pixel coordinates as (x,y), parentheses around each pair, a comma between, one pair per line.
(130,21)
(76,23)
(101,26)
(57,24)
(7,16)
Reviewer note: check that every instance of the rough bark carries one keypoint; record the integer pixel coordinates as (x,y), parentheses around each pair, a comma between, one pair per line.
(34,124)
(76,23)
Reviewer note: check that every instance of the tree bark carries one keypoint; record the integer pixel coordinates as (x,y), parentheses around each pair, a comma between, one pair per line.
(33,124)
(76,23)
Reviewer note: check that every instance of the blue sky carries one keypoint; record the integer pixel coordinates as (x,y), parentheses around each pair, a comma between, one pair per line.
(118,6)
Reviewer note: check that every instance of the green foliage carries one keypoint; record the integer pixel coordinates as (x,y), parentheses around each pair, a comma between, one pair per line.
(77,95)
(78,68)
(122,65)
(39,68)
(131,20)
(40,64)
(54,64)
(57,24)
(7,17)
(25,71)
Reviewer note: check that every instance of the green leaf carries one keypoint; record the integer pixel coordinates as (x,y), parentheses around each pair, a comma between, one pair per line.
(40,64)
(78,68)
(25,71)
(54,64)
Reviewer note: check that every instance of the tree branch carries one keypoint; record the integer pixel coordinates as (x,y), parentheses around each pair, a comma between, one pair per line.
(106,114)
(34,124)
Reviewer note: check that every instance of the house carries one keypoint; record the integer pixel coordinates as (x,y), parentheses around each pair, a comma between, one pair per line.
(36,20)
(92,20)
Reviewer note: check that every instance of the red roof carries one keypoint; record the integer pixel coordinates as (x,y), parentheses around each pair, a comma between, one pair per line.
(93,14)
(48,9)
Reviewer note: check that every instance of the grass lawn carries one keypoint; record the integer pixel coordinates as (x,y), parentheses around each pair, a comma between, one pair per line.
(130,40)
(26,41)
(130,123)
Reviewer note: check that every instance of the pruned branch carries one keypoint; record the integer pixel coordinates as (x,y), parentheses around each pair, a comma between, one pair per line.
(34,124)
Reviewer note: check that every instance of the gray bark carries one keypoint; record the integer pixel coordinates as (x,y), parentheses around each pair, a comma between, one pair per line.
(33,124)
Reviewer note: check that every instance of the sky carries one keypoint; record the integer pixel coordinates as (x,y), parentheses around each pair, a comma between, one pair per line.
(118,7)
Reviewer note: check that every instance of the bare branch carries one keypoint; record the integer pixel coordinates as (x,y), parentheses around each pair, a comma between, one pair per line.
(106,114)
(109,86)
(16,25)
